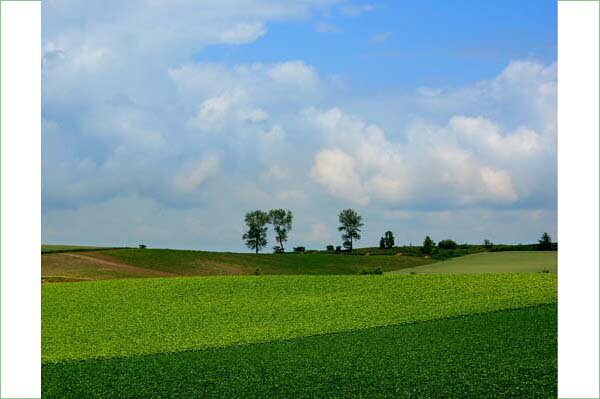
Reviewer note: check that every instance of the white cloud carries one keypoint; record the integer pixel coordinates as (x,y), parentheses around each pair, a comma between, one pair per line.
(195,175)
(275,172)
(336,170)
(243,33)
(294,73)
(498,184)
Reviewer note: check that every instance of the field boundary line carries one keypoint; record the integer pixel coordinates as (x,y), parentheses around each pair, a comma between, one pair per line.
(341,332)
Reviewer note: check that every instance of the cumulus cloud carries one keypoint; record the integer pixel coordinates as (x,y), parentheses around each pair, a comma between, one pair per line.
(144,121)
(243,33)
(195,175)
(336,170)
(464,162)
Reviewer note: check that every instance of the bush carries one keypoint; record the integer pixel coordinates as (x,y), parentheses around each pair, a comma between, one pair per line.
(378,271)
(338,249)
(447,244)
(277,250)
(299,249)
(142,246)
(258,272)
(330,247)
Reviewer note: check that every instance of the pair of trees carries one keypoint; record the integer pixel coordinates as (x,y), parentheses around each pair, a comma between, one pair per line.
(387,241)
(256,221)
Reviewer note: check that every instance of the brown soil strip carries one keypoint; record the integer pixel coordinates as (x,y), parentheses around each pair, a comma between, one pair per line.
(122,267)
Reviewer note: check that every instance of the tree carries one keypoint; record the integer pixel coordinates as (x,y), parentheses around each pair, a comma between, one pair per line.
(282,223)
(447,244)
(256,236)
(428,245)
(350,222)
(545,243)
(389,239)
(487,243)
(382,243)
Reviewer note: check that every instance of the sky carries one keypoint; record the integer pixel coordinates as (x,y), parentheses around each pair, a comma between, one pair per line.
(165,122)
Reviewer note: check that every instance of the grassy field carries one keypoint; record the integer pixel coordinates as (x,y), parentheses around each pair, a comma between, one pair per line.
(510,354)
(66,247)
(130,263)
(143,316)
(493,262)
(301,336)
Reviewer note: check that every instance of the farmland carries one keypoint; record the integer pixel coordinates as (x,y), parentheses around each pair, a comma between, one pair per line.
(221,336)
(133,262)
(506,354)
(493,262)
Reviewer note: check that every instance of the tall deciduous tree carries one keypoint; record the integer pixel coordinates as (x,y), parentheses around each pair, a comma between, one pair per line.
(428,245)
(545,243)
(256,236)
(389,239)
(282,223)
(350,224)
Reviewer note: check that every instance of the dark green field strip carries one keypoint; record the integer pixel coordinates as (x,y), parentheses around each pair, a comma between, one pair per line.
(507,354)
(199,262)
(104,319)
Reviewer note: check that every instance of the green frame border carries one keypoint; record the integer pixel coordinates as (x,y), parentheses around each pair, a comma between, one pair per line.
(1,1)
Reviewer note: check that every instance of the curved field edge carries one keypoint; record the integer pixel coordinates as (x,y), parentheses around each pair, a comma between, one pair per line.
(134,317)
(492,262)
(500,354)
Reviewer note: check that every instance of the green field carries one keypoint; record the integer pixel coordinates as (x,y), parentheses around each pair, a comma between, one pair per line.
(134,262)
(456,333)
(493,262)
(510,354)
(66,247)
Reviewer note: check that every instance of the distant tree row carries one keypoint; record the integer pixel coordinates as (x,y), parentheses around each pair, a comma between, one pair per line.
(350,225)
(256,222)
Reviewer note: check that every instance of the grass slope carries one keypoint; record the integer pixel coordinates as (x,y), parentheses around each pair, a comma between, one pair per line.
(493,262)
(104,319)
(60,267)
(199,263)
(510,354)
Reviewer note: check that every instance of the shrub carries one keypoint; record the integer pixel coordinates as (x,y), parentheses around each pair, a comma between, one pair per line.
(338,249)
(447,244)
(142,246)
(330,247)
(258,272)
(378,271)
(545,271)
(299,249)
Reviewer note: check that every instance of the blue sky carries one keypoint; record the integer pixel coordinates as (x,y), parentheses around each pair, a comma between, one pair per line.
(164,122)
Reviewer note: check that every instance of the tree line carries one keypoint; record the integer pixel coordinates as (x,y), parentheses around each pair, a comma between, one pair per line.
(350,225)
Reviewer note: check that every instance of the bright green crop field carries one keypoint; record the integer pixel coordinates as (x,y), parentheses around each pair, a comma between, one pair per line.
(301,336)
(493,262)
(507,354)
(103,319)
